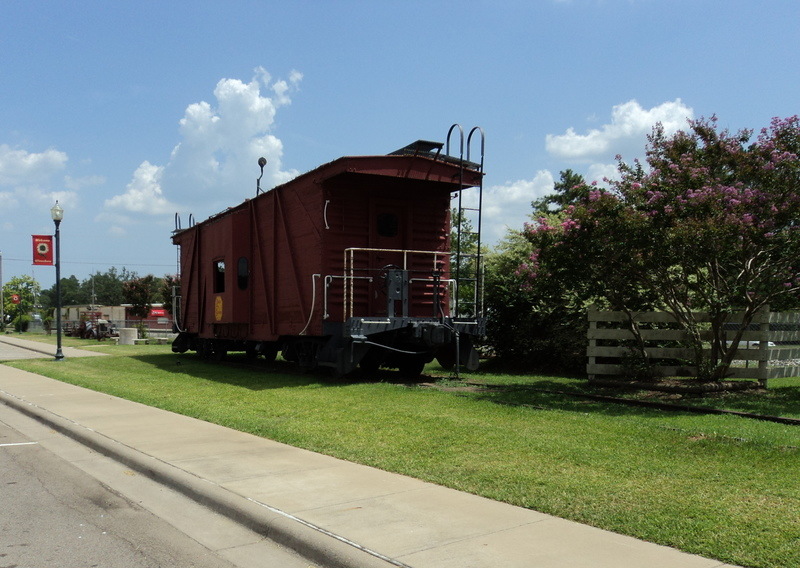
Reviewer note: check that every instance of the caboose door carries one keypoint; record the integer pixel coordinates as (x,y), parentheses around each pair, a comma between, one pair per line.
(390,234)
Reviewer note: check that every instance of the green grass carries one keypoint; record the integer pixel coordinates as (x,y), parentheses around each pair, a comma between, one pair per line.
(720,486)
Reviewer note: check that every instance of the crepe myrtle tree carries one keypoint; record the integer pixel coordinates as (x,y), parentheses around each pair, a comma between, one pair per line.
(711,224)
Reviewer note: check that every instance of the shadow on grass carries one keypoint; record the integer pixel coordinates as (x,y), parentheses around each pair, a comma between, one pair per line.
(552,395)
(258,374)
(782,401)
(563,393)
(237,371)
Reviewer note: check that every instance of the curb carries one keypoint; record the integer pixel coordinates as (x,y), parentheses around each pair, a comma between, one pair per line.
(313,543)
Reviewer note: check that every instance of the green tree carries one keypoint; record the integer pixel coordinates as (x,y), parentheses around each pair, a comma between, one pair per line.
(103,289)
(536,322)
(71,294)
(711,225)
(27,290)
(140,294)
(169,281)
(464,267)
(107,287)
(568,190)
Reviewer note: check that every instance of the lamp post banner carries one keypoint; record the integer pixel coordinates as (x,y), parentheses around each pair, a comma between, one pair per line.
(43,250)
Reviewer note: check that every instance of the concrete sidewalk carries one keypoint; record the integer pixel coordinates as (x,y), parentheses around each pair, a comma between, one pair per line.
(14,347)
(333,512)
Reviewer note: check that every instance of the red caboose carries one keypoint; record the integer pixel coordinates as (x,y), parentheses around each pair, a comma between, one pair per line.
(346,265)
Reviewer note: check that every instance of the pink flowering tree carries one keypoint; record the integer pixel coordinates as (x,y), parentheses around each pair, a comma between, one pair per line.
(711,224)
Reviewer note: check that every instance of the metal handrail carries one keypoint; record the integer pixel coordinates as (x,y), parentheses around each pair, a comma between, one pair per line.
(349,268)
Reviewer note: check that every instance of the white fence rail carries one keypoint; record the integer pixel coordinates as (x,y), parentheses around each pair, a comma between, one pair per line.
(769,348)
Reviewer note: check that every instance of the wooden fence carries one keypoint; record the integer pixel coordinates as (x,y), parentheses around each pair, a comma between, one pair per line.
(770,347)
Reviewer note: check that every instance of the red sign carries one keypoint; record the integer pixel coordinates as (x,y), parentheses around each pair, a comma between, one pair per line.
(158,312)
(43,250)
(15,299)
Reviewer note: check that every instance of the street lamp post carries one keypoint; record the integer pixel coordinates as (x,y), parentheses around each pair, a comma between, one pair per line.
(57,213)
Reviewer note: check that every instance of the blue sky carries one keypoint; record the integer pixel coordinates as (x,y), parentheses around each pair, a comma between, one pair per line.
(128,112)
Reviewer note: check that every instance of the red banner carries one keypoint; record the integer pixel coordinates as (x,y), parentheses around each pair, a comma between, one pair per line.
(43,249)
(158,312)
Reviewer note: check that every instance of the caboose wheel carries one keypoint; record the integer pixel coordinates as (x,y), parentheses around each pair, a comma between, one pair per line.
(220,352)
(411,367)
(369,365)
(204,348)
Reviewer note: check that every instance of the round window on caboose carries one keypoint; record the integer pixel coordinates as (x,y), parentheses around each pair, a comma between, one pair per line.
(387,225)
(242,273)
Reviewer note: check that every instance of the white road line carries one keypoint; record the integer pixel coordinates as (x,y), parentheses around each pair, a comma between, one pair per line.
(19,444)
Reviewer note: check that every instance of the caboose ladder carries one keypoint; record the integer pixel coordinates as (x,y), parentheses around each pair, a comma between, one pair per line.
(466,258)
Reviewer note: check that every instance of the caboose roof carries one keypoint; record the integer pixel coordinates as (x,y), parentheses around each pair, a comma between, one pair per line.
(421,160)
(408,162)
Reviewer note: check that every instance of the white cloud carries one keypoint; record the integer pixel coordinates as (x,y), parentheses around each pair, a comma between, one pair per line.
(143,194)
(18,167)
(29,176)
(599,172)
(625,135)
(77,184)
(508,206)
(117,224)
(630,124)
(215,162)
(221,144)
(34,198)
(8,200)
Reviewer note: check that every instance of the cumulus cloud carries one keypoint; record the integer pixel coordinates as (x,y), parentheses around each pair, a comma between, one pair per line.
(630,124)
(599,172)
(31,207)
(508,206)
(20,167)
(29,177)
(215,161)
(625,135)
(143,194)
(221,144)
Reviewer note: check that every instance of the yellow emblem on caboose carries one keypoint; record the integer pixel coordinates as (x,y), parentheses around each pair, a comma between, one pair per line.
(218,308)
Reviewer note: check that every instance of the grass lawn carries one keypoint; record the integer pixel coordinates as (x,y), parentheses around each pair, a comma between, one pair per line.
(721,486)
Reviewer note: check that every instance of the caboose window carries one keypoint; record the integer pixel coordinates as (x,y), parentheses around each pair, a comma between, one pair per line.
(242,273)
(219,276)
(387,225)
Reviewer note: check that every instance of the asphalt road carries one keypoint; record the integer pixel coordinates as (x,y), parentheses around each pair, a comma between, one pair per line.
(55,515)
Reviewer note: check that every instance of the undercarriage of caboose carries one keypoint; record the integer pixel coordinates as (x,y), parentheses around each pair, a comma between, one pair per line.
(386,304)
(392,339)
